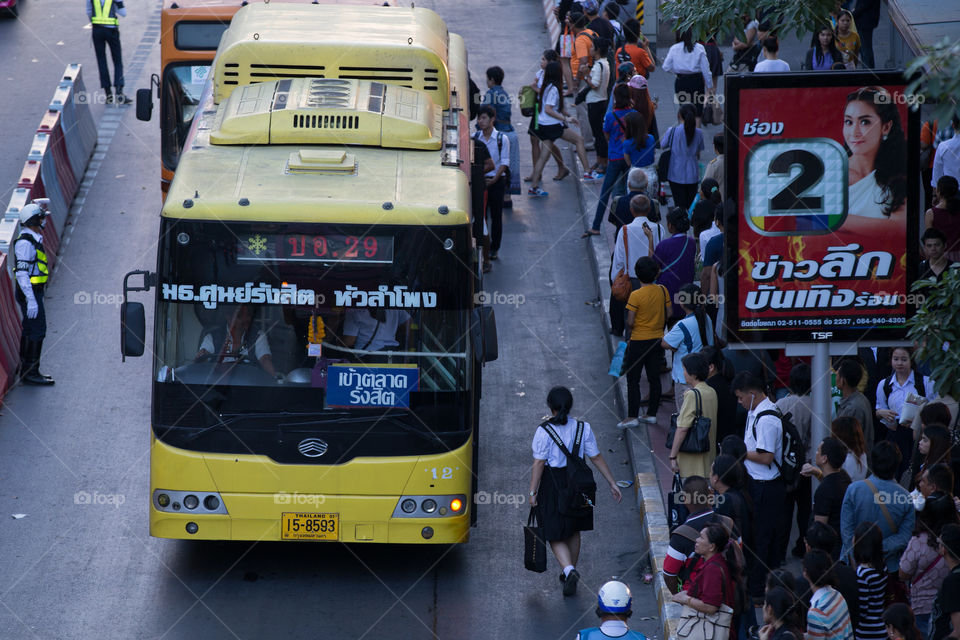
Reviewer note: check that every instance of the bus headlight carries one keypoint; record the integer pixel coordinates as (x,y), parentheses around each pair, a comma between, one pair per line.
(191,502)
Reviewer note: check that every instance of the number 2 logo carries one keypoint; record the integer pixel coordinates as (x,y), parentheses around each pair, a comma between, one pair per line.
(796,187)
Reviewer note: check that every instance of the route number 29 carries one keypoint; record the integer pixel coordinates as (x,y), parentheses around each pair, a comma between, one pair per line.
(796,186)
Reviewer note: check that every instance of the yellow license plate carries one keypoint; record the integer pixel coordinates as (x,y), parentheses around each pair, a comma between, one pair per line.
(310,526)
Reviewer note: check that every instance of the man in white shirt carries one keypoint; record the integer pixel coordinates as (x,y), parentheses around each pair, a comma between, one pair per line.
(771,63)
(372,329)
(764,439)
(946,161)
(497,179)
(236,340)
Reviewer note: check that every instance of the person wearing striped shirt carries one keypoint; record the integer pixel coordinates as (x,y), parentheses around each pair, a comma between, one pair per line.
(871,581)
(828,617)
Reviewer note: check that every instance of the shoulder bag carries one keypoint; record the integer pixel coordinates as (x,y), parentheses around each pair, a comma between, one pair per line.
(696,625)
(622,287)
(576,500)
(663,162)
(697,439)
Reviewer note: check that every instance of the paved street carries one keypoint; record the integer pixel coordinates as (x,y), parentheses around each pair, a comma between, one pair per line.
(79,568)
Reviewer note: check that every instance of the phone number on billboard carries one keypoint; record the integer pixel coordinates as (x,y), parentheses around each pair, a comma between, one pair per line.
(823,322)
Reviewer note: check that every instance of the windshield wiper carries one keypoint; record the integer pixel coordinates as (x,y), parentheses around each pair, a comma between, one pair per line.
(232,418)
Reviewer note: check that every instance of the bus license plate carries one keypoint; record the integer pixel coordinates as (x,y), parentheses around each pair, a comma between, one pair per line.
(310,526)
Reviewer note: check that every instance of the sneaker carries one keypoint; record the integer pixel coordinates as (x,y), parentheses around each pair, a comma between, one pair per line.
(123,99)
(590,147)
(537,192)
(648,419)
(494,255)
(628,423)
(570,583)
(590,176)
(109,99)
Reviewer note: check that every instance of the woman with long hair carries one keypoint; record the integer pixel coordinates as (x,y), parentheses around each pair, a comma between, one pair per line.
(876,144)
(721,576)
(596,100)
(935,445)
(691,333)
(823,52)
(549,55)
(638,145)
(721,373)
(871,580)
(901,623)
(552,125)
(614,128)
(685,141)
(921,566)
(548,479)
(688,61)
(848,431)
(781,616)
(945,215)
(644,104)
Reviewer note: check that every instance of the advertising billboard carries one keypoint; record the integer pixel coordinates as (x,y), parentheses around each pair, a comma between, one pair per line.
(824,170)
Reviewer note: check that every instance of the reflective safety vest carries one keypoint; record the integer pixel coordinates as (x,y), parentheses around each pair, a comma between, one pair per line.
(594,633)
(101,13)
(39,262)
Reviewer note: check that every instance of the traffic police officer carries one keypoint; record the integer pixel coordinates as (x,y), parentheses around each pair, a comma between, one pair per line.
(106,31)
(614,604)
(31,272)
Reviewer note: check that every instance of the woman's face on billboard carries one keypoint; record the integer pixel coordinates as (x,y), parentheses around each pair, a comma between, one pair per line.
(862,128)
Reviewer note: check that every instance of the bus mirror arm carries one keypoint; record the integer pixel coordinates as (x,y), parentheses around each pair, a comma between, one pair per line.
(132,316)
(145,99)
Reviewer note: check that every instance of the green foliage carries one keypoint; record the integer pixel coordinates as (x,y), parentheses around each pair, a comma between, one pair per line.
(937,325)
(938,78)
(722,17)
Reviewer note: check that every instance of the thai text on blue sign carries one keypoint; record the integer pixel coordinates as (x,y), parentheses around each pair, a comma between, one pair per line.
(371,385)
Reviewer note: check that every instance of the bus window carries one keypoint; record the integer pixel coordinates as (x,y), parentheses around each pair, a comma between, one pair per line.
(182,86)
(198,36)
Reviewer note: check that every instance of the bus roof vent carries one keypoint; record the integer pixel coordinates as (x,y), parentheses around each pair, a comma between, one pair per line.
(329,111)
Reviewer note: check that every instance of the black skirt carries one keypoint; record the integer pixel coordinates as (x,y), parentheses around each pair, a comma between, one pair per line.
(689,88)
(556,526)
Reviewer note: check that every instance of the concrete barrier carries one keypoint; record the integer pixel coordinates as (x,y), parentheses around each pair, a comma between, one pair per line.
(54,168)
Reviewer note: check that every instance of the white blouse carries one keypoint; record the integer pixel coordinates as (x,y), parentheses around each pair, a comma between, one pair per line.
(679,60)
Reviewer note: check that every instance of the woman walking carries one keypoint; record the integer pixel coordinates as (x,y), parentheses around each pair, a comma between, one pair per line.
(613,128)
(698,400)
(823,53)
(685,141)
(552,125)
(549,55)
(688,60)
(549,477)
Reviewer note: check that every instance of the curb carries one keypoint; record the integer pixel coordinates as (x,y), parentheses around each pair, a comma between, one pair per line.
(654,533)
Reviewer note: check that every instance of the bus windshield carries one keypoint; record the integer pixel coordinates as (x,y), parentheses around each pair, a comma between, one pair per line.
(315,320)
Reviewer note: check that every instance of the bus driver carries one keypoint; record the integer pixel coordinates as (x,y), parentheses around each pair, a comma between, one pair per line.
(236,339)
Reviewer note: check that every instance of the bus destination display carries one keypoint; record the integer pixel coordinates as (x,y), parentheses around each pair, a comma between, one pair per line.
(298,247)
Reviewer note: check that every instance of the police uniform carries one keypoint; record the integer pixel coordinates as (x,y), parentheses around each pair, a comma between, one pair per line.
(106,31)
(31,272)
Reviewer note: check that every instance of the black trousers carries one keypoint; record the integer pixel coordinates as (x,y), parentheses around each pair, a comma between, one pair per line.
(495,194)
(769,498)
(103,36)
(34,329)
(618,310)
(683,194)
(595,113)
(643,355)
(800,501)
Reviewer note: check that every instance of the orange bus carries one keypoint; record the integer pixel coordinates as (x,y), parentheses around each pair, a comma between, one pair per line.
(190,32)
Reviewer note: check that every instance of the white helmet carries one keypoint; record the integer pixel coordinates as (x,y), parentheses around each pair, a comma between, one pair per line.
(30,211)
(614,597)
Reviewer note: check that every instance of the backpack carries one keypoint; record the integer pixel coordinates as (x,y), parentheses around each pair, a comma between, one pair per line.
(577,498)
(476,136)
(792,447)
(918,383)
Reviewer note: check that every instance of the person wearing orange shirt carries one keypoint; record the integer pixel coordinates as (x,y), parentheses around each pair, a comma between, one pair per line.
(639,55)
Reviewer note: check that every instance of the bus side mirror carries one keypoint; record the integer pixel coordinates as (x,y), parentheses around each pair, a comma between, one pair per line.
(484,334)
(133,329)
(144,104)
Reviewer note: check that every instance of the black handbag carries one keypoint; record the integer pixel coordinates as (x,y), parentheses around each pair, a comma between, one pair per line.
(698,436)
(582,95)
(534,545)
(663,162)
(677,511)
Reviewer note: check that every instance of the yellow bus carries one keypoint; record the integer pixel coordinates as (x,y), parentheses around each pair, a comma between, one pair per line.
(190,32)
(317,349)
